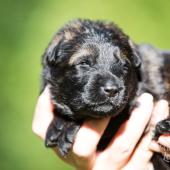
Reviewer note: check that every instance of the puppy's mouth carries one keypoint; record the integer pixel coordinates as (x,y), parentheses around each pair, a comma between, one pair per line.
(110,105)
(110,108)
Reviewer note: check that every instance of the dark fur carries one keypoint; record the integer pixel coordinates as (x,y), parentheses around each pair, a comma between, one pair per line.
(93,71)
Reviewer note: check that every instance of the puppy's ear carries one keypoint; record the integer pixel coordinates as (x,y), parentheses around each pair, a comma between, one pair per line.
(136,60)
(50,57)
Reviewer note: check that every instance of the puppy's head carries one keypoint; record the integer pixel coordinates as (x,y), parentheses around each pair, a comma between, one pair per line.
(91,67)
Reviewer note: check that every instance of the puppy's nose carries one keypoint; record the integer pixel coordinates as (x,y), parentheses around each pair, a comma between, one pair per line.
(110,89)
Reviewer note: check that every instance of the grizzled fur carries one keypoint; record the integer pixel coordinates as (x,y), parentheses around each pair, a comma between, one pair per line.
(93,70)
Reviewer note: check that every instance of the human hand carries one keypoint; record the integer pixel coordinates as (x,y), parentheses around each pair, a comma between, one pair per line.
(124,151)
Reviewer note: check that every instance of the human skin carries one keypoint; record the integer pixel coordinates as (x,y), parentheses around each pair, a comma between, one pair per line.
(131,148)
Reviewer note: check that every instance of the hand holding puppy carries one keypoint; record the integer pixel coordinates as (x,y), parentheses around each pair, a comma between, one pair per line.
(126,151)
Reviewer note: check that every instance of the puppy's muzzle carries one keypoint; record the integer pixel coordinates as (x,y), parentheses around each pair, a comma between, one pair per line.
(102,88)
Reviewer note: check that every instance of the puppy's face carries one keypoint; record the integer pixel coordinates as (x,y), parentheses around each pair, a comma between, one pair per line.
(90,67)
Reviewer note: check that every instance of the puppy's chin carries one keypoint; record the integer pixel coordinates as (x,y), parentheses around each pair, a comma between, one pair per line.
(110,108)
(102,111)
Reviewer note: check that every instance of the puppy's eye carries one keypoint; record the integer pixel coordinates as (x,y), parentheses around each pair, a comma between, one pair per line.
(85,62)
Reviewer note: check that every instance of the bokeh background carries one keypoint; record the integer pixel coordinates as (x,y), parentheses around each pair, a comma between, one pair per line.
(26,27)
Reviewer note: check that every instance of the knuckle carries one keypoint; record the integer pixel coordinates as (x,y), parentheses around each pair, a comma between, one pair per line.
(125,149)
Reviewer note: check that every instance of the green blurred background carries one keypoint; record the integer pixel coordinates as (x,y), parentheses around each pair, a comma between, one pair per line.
(26,27)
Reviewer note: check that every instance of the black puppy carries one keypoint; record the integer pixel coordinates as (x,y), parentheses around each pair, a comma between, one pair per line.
(94,70)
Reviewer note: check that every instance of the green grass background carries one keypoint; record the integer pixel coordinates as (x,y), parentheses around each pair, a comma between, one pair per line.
(26,27)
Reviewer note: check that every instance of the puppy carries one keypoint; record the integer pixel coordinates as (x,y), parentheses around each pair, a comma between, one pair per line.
(93,71)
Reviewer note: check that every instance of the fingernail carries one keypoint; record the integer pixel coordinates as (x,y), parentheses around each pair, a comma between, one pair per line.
(145,98)
(161,110)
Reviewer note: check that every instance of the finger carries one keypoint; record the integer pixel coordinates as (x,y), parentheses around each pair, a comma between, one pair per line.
(160,112)
(165,141)
(142,154)
(154,146)
(43,114)
(131,131)
(88,136)
(84,148)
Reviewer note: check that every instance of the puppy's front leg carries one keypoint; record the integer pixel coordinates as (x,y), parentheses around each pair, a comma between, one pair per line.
(61,133)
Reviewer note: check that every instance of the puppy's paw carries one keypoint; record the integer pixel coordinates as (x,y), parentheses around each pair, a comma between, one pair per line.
(162,128)
(61,134)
